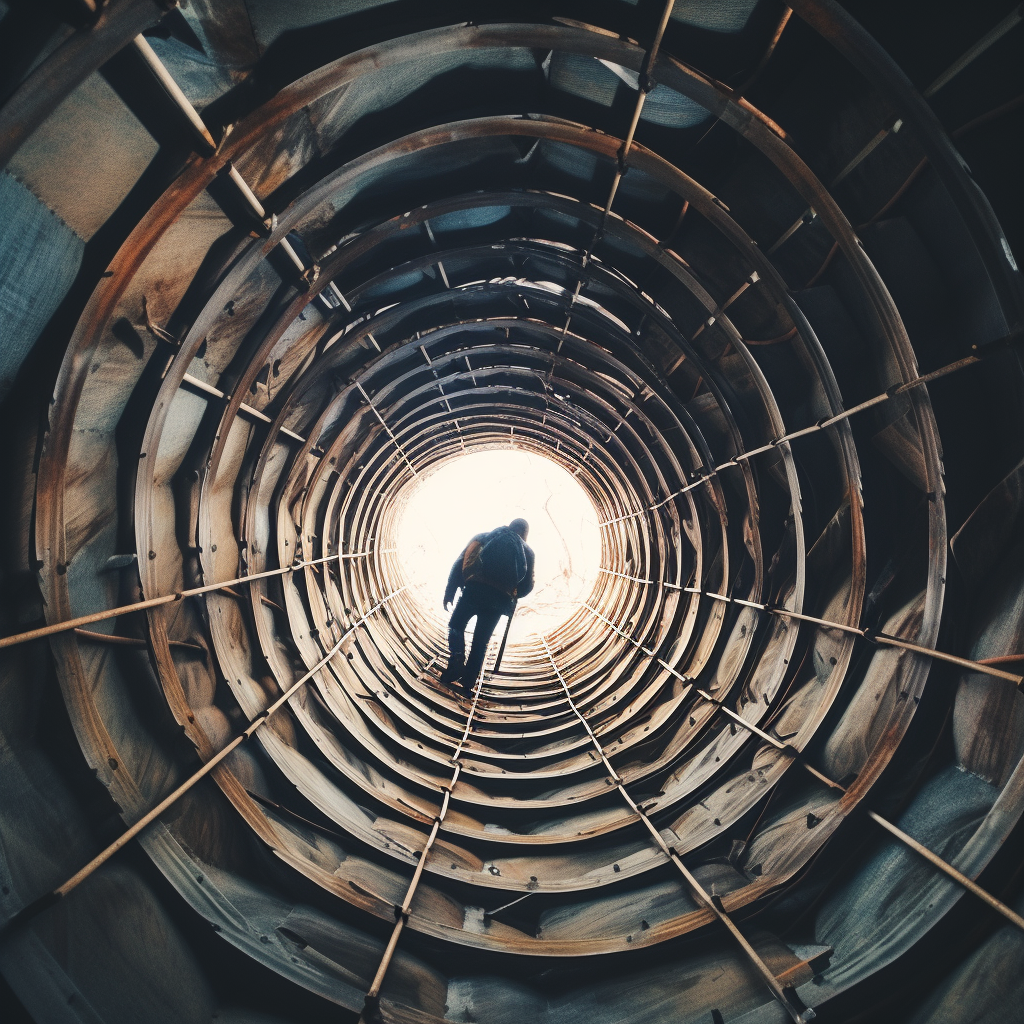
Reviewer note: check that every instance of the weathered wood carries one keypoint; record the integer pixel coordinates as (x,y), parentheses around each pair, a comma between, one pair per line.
(275,421)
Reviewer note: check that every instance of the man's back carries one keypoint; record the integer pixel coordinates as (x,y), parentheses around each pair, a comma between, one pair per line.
(498,558)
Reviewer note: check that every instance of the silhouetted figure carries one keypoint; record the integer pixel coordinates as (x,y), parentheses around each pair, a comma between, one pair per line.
(494,570)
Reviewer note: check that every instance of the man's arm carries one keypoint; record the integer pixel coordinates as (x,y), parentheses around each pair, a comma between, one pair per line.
(454,580)
(526,583)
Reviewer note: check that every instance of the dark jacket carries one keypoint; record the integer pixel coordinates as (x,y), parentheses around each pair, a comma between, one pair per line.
(457,578)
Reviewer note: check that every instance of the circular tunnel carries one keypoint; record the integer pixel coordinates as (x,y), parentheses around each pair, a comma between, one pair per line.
(268,268)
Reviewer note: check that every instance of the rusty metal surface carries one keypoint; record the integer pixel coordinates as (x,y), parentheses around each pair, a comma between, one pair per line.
(252,401)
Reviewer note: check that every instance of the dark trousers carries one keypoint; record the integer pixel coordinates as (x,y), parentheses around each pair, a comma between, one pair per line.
(487,605)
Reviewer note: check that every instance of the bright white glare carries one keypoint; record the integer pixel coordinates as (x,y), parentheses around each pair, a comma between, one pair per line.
(483,490)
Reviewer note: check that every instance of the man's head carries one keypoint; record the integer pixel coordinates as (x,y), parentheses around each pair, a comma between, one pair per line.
(520,526)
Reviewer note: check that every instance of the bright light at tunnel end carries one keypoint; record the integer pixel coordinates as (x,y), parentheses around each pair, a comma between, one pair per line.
(482,490)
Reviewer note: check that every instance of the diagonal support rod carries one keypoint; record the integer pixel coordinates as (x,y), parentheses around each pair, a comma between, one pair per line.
(371,1004)
(703,897)
(153,602)
(946,868)
(828,421)
(644,85)
(30,911)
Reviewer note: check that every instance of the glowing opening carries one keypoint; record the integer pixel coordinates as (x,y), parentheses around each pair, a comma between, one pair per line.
(483,490)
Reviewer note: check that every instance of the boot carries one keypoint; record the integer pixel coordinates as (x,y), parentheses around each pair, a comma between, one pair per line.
(451,673)
(468,685)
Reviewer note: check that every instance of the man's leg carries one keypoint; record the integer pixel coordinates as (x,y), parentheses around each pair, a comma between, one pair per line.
(486,619)
(461,614)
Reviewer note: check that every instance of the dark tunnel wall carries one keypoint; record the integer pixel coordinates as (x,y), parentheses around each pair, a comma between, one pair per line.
(747,272)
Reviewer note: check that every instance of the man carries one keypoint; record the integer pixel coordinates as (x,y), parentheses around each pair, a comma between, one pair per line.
(494,570)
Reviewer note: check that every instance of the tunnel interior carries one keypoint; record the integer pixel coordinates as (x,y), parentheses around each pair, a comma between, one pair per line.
(742,275)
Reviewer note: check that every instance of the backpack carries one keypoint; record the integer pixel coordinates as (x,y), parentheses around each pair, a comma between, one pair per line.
(501,560)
